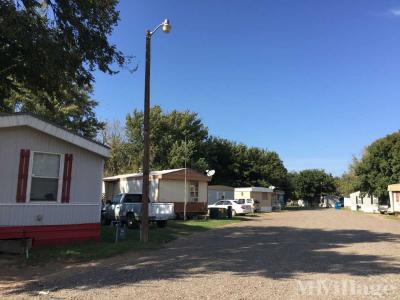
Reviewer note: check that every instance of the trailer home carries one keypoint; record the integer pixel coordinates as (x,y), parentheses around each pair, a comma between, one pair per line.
(165,186)
(50,182)
(364,202)
(394,196)
(262,197)
(220,192)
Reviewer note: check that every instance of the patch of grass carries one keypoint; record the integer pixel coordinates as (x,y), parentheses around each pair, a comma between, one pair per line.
(107,247)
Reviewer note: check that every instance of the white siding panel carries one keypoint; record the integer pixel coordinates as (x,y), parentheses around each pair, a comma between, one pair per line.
(87,167)
(129,185)
(174,191)
(203,194)
(55,214)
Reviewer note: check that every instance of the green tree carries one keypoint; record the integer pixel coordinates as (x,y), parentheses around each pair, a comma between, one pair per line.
(379,166)
(74,110)
(311,184)
(48,52)
(120,158)
(186,151)
(219,154)
(238,165)
(167,136)
(347,183)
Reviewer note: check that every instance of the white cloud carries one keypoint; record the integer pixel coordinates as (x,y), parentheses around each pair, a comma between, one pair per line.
(395,12)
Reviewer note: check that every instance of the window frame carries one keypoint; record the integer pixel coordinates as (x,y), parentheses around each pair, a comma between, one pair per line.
(60,178)
(196,192)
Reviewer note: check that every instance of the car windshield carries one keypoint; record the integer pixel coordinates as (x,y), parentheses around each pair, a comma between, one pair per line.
(240,201)
(116,199)
(133,198)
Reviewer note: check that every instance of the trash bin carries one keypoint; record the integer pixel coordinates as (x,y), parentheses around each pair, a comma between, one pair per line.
(218,213)
(120,232)
(338,205)
(229,212)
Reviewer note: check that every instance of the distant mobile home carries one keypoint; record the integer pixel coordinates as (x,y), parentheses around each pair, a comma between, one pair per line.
(394,196)
(50,182)
(165,186)
(278,200)
(263,196)
(364,203)
(220,192)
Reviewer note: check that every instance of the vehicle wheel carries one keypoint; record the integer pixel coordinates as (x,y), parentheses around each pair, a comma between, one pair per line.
(233,213)
(162,224)
(131,221)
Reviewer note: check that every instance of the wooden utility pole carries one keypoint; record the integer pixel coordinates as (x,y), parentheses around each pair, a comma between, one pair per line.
(144,225)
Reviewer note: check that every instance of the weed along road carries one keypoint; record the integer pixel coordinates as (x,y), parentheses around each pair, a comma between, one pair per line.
(305,254)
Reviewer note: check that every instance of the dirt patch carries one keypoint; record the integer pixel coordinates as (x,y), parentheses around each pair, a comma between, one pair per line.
(317,254)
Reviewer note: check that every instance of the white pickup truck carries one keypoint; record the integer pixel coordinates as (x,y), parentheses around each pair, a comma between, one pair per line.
(127,208)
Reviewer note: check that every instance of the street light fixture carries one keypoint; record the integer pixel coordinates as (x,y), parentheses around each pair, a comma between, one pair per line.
(144,227)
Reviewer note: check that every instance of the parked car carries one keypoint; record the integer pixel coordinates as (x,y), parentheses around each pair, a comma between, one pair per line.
(255,204)
(127,208)
(383,208)
(237,209)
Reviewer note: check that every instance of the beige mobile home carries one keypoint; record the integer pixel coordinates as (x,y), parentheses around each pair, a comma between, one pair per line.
(50,182)
(261,195)
(394,196)
(165,186)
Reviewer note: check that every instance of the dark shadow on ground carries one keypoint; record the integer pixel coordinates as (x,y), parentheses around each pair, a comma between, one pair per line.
(273,252)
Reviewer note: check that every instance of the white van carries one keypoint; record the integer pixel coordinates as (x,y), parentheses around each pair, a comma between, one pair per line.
(255,204)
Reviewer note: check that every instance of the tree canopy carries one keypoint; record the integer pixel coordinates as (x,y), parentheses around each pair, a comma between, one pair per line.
(48,52)
(312,183)
(177,136)
(167,135)
(379,166)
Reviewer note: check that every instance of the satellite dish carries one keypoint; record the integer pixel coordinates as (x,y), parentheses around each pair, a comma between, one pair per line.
(272,187)
(210,172)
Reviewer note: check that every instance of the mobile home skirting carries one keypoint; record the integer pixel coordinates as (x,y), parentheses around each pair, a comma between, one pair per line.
(52,234)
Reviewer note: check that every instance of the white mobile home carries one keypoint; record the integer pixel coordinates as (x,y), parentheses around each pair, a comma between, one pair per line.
(261,195)
(165,186)
(220,192)
(347,202)
(50,182)
(364,202)
(394,196)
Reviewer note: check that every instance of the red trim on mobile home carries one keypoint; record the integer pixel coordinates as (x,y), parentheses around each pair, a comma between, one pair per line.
(194,208)
(66,187)
(23,174)
(52,234)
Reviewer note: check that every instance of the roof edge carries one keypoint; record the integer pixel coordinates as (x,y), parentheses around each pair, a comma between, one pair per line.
(35,122)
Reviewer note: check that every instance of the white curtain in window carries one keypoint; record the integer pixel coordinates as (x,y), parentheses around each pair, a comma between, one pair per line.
(46,165)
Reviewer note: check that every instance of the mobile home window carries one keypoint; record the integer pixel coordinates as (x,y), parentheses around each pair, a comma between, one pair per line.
(397,197)
(194,191)
(45,177)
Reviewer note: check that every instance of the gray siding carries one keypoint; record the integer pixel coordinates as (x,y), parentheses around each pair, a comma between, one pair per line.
(215,195)
(50,214)
(87,169)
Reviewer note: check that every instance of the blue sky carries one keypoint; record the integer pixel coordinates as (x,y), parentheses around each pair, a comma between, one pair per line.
(315,81)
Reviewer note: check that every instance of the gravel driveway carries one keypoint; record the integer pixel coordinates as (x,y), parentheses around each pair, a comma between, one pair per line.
(327,254)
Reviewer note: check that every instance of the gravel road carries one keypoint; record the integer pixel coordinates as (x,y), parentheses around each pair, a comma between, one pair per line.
(311,254)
